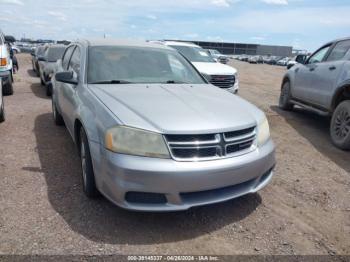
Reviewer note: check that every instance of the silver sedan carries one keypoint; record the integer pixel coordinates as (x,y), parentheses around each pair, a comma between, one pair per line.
(152,133)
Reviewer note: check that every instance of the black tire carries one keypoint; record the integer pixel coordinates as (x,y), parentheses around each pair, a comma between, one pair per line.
(2,111)
(57,117)
(7,88)
(340,126)
(88,177)
(49,89)
(37,70)
(284,100)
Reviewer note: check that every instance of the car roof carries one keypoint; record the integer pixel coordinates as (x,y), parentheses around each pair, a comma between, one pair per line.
(179,43)
(57,47)
(121,42)
(337,40)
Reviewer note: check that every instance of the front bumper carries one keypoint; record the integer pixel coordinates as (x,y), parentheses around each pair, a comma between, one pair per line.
(182,184)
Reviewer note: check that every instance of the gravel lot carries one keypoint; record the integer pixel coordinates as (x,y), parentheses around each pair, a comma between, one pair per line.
(305,210)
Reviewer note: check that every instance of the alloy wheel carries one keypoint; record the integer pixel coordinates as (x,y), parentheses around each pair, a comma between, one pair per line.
(342,124)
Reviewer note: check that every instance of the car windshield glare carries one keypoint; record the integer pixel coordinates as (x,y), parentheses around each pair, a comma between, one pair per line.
(194,54)
(126,65)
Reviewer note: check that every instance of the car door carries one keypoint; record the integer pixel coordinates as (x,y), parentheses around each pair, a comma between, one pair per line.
(62,66)
(68,91)
(325,75)
(304,74)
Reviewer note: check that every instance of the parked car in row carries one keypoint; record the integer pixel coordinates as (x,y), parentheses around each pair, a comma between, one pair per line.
(321,83)
(224,59)
(218,74)
(38,52)
(47,65)
(152,133)
(257,59)
(15,49)
(243,58)
(283,62)
(2,105)
(6,68)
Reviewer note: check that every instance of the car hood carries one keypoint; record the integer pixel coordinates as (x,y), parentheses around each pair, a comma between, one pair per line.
(214,68)
(177,108)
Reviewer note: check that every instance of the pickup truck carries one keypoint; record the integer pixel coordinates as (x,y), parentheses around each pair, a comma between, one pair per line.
(321,83)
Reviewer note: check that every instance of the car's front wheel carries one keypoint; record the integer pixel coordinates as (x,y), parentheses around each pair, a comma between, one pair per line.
(284,101)
(2,110)
(8,87)
(340,126)
(88,176)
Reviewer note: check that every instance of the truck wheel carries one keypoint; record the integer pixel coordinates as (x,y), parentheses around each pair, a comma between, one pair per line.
(7,89)
(284,101)
(340,126)
(2,111)
(57,117)
(88,176)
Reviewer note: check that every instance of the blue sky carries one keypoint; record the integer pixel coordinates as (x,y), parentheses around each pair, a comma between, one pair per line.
(304,24)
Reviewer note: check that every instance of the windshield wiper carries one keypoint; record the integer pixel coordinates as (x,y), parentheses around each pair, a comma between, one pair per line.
(175,82)
(111,82)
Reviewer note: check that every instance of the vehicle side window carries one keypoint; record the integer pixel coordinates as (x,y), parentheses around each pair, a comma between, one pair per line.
(339,51)
(66,57)
(74,63)
(319,55)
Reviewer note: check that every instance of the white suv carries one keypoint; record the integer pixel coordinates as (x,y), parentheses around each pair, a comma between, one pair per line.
(218,74)
(5,67)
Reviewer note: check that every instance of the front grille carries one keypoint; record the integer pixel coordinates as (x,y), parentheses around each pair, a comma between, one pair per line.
(223,81)
(211,146)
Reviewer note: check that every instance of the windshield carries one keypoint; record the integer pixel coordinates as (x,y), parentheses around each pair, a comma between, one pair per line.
(55,53)
(194,54)
(117,64)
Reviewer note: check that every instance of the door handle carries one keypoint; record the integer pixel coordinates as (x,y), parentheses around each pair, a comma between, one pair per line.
(332,68)
(312,69)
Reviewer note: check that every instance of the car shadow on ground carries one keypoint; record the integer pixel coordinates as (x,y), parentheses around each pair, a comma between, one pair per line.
(101,221)
(31,73)
(39,90)
(315,129)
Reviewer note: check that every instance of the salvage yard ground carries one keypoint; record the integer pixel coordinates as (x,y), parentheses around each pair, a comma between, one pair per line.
(305,209)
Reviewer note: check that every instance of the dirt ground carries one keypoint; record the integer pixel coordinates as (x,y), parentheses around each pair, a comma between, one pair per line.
(305,209)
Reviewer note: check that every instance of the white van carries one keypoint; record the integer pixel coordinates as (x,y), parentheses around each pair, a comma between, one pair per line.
(218,74)
(5,67)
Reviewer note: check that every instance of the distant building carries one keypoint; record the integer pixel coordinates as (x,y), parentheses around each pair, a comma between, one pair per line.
(247,49)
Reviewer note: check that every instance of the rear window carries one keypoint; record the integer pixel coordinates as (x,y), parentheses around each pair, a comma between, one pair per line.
(55,53)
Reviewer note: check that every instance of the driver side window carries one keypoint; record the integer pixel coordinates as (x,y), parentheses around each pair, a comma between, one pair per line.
(319,55)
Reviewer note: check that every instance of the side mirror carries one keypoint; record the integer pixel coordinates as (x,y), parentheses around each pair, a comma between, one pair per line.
(42,58)
(301,59)
(66,77)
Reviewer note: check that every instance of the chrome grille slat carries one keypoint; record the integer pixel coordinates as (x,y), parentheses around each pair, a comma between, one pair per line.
(211,146)
(223,81)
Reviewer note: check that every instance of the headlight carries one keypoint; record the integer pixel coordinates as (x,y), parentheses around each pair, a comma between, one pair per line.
(132,141)
(263,132)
